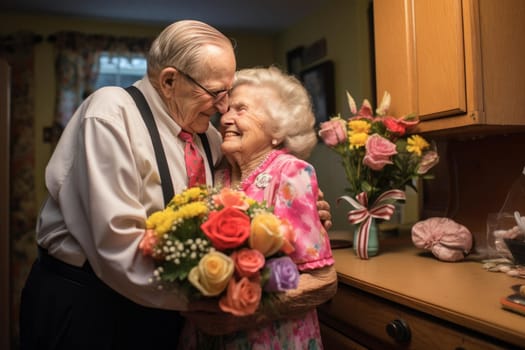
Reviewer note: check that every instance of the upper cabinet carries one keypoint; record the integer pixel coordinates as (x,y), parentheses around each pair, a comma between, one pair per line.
(458,64)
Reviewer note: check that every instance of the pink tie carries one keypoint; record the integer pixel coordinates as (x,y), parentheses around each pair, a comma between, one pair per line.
(194,161)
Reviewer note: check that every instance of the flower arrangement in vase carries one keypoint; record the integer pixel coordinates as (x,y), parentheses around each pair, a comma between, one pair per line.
(380,158)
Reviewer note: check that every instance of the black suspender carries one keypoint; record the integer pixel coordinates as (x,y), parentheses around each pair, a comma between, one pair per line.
(145,111)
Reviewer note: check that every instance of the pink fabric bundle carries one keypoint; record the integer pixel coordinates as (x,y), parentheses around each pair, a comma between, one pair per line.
(445,238)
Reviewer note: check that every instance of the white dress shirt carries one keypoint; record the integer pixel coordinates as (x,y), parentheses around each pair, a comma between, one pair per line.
(103,182)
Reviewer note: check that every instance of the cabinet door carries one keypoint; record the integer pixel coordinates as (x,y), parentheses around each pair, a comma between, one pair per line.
(440,59)
(502,26)
(420,57)
(5,127)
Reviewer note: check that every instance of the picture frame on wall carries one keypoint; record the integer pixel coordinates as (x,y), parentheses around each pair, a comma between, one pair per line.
(319,82)
(294,60)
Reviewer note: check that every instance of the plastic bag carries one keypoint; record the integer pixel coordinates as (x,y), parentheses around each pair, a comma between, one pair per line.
(504,224)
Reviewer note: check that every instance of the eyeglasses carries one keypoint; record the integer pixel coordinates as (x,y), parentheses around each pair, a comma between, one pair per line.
(216,95)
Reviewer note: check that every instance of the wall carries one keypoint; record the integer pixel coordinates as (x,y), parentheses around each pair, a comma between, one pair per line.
(472,180)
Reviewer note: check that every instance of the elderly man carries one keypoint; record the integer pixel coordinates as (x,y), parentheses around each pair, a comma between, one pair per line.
(90,286)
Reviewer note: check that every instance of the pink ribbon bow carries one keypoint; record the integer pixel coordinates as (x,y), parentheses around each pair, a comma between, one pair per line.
(382,208)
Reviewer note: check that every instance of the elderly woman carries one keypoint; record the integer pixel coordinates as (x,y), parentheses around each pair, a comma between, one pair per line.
(267,131)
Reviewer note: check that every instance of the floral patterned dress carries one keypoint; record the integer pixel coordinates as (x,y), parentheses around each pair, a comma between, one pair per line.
(290,186)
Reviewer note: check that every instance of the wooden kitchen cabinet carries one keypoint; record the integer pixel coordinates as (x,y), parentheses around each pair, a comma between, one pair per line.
(458,64)
(444,305)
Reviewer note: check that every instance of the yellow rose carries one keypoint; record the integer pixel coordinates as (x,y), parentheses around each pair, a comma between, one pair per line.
(265,235)
(212,274)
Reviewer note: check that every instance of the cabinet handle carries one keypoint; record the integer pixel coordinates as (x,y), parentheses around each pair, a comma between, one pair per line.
(398,330)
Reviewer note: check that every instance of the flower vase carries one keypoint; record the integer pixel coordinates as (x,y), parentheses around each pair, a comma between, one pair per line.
(372,246)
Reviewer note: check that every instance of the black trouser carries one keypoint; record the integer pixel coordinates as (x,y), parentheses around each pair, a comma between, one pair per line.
(66,307)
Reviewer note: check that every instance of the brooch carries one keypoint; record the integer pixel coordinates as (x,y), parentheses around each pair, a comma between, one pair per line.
(263,180)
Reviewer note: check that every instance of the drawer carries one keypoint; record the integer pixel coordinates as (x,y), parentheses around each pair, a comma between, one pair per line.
(335,340)
(365,318)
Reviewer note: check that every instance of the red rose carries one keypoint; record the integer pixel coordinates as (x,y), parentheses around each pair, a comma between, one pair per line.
(227,228)
(394,125)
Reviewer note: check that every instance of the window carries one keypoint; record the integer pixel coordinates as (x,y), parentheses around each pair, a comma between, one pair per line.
(120,70)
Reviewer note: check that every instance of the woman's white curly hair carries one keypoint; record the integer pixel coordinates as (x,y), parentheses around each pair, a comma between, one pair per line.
(291,115)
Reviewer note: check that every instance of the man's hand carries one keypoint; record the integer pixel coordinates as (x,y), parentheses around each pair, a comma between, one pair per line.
(323,207)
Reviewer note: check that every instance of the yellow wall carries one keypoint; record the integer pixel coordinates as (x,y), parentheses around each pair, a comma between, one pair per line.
(344,24)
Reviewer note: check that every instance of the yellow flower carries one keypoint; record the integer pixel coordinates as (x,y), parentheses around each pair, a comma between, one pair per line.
(358,126)
(416,144)
(191,210)
(189,195)
(266,235)
(212,274)
(162,221)
(357,139)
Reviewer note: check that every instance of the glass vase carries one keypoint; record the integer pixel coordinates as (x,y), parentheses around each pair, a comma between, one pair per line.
(373,239)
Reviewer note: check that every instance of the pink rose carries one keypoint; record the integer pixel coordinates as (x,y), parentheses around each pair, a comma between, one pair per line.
(148,242)
(231,198)
(227,228)
(242,298)
(428,160)
(248,262)
(333,132)
(378,152)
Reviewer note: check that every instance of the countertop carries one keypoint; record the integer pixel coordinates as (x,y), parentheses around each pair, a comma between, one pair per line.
(460,292)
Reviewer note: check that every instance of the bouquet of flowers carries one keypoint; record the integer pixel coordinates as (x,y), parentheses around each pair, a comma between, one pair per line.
(221,243)
(380,158)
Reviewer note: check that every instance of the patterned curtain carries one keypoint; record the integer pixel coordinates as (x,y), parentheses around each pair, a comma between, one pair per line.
(17,50)
(77,65)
